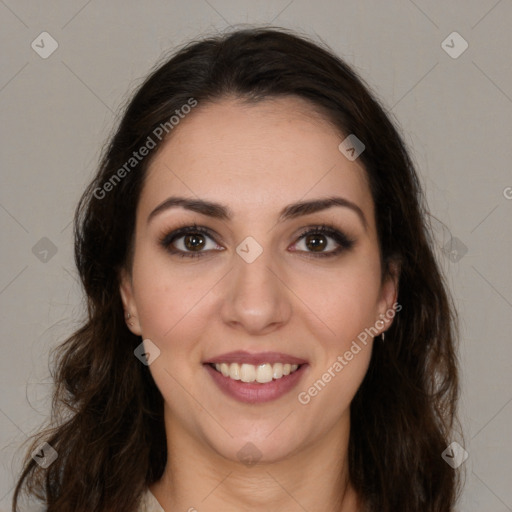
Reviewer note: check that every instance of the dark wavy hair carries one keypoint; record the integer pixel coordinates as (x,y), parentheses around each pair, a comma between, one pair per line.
(107,413)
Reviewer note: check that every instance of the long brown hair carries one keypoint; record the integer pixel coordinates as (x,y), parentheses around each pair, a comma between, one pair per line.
(107,415)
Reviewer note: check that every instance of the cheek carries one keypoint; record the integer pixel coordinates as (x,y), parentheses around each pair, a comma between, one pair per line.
(173,300)
(327,393)
(345,299)
(341,364)
(330,394)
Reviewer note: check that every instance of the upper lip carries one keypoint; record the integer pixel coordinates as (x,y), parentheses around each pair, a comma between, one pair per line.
(242,357)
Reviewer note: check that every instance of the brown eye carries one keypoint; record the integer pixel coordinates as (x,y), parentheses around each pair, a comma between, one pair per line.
(323,241)
(194,241)
(190,241)
(316,242)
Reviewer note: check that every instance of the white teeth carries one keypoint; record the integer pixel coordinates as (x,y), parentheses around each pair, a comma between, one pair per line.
(278,370)
(224,368)
(261,373)
(264,373)
(234,371)
(247,373)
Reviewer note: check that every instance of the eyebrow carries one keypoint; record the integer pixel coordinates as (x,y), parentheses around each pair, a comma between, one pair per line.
(291,211)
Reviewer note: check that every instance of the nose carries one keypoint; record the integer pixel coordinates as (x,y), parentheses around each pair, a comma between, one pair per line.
(256,298)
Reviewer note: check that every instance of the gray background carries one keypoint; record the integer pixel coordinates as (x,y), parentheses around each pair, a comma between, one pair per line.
(455,114)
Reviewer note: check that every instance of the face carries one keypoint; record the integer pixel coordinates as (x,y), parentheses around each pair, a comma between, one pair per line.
(257,284)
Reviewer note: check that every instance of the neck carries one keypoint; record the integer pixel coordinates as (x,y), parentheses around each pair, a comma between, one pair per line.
(198,478)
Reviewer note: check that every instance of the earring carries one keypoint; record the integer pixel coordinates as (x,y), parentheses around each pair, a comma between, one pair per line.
(128,316)
(382,336)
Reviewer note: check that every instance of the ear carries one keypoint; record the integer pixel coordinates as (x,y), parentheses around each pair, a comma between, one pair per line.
(126,291)
(388,296)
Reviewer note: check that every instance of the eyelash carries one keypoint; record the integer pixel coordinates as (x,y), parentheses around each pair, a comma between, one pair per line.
(343,241)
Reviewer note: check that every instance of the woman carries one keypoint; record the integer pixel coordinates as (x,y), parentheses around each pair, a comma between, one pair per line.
(267,324)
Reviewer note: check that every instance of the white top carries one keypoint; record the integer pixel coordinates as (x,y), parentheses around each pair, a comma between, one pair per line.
(149,503)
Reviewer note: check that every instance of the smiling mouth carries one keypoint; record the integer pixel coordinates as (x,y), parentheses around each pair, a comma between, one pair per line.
(261,373)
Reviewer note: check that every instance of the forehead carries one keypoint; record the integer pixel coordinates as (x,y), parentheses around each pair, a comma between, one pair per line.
(255,158)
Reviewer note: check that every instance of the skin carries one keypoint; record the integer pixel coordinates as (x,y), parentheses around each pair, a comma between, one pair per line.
(255,159)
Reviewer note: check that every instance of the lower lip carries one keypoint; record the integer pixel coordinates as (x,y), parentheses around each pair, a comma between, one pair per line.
(254,392)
